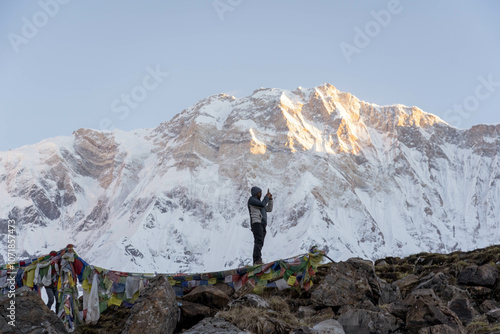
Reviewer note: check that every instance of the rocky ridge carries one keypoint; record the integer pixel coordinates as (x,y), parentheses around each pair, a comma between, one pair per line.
(423,293)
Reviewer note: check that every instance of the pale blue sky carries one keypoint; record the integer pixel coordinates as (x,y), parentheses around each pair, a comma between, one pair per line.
(76,67)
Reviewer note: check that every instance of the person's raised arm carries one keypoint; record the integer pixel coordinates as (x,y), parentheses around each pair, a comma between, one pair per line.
(258,203)
(269,206)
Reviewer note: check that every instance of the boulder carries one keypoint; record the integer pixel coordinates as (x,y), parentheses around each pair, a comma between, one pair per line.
(321,315)
(348,283)
(111,321)
(463,309)
(425,309)
(495,292)
(215,326)
(305,312)
(31,314)
(326,312)
(485,275)
(489,305)
(406,284)
(155,311)
(251,300)
(209,296)
(344,309)
(438,329)
(329,326)
(440,284)
(227,289)
(258,320)
(494,316)
(366,305)
(389,294)
(480,292)
(398,309)
(365,321)
(192,313)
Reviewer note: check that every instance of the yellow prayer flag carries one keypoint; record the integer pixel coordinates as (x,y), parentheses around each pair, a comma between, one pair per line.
(212,281)
(134,297)
(86,286)
(291,280)
(114,301)
(71,280)
(259,290)
(30,278)
(266,277)
(261,282)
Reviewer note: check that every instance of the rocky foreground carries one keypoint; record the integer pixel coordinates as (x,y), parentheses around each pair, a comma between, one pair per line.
(421,294)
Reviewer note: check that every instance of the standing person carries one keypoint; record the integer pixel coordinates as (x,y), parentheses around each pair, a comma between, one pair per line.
(52,288)
(258,220)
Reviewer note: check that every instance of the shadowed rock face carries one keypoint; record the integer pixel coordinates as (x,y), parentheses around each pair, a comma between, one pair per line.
(31,314)
(155,310)
(361,320)
(350,283)
(96,153)
(425,309)
(353,177)
(42,202)
(215,326)
(208,296)
(485,275)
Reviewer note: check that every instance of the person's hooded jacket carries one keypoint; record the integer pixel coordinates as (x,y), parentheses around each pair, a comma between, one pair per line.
(258,209)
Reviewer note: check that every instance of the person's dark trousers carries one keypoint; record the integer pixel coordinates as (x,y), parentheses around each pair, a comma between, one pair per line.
(52,294)
(259,233)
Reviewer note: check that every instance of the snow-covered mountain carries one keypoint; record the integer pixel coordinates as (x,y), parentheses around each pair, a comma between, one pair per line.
(350,176)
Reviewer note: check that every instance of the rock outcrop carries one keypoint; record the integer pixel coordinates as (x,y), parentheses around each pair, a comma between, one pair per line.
(215,326)
(421,294)
(156,309)
(485,275)
(31,315)
(209,296)
(350,283)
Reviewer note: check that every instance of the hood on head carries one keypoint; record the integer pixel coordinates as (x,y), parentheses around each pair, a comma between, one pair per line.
(255,190)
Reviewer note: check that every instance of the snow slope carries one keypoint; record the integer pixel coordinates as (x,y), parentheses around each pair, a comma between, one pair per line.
(355,178)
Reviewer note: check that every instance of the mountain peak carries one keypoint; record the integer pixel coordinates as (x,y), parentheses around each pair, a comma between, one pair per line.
(355,178)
